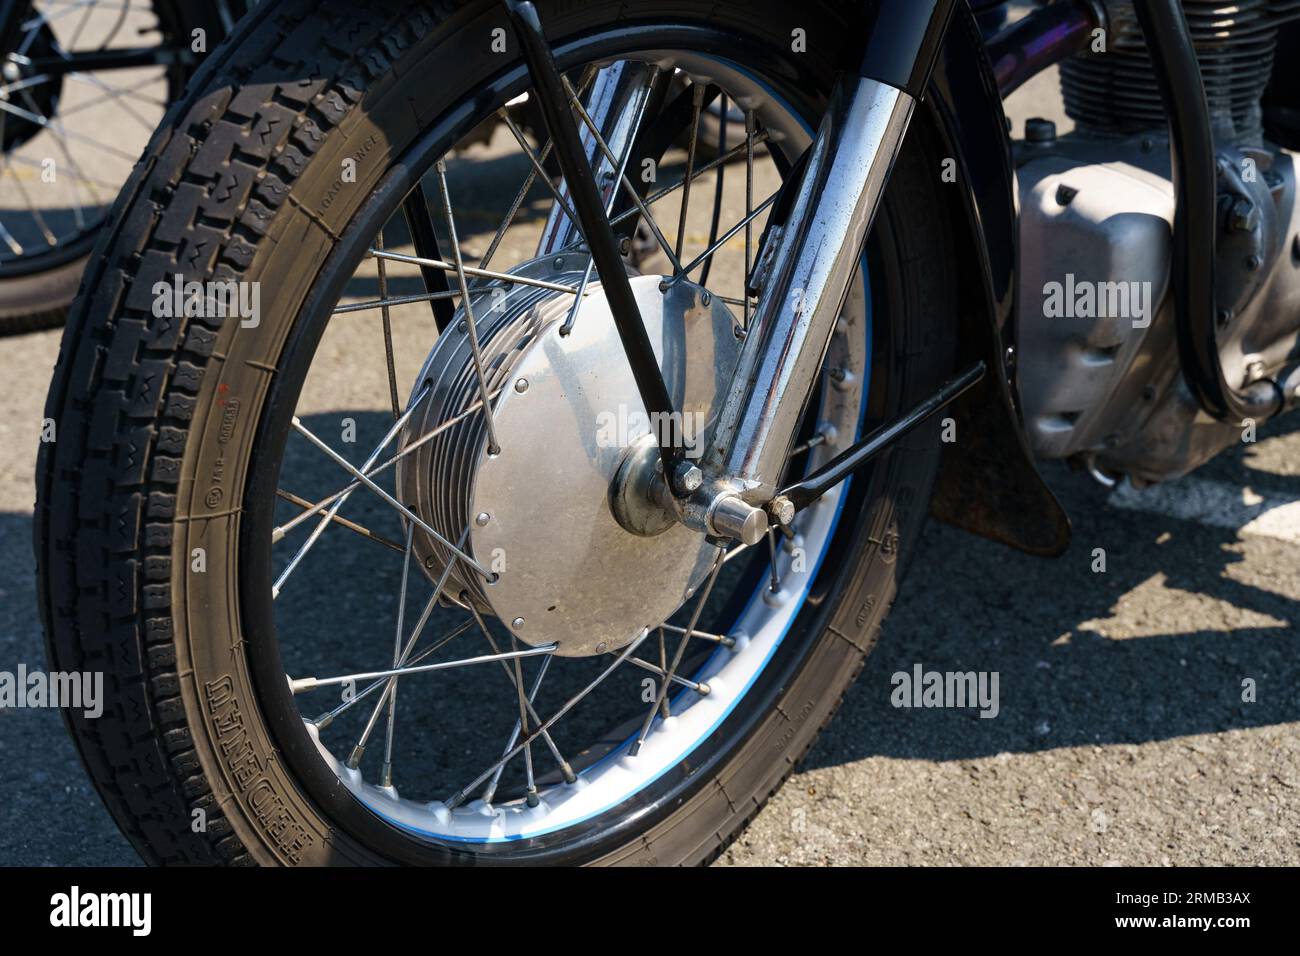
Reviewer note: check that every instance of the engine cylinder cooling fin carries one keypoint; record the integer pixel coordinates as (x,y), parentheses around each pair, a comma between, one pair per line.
(1115,93)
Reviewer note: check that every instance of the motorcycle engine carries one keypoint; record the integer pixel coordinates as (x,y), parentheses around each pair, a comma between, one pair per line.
(1098,361)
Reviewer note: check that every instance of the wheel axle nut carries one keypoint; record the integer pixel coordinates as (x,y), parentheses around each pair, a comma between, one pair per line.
(733,517)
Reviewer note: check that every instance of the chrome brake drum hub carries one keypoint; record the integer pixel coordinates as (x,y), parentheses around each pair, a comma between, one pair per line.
(539,513)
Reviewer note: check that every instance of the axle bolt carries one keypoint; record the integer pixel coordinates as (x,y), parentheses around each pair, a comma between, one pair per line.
(521,386)
(781,510)
(688,477)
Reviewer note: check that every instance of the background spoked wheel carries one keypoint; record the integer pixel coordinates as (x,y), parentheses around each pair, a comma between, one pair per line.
(350,685)
(83,84)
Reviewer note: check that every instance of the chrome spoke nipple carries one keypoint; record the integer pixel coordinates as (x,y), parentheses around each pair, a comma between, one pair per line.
(354,758)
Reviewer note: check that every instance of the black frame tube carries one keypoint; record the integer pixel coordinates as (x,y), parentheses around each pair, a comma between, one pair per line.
(1041,39)
(119,59)
(424,237)
(1194,174)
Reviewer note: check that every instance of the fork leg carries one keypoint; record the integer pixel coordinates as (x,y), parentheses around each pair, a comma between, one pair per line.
(819,250)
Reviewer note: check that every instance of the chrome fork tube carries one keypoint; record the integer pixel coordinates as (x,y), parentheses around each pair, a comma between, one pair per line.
(611,104)
(801,299)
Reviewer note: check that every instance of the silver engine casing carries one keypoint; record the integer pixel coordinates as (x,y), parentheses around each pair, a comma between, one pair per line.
(1104,387)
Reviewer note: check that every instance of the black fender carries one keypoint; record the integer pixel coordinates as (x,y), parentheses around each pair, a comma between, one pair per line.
(988,482)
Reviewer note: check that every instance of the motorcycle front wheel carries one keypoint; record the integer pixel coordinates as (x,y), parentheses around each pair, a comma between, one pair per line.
(348,618)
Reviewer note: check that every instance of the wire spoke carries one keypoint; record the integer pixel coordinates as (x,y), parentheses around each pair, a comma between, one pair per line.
(697,104)
(74,174)
(526,711)
(490,790)
(340,520)
(662,671)
(677,657)
(354,759)
(494,447)
(718,182)
(352,486)
(459,797)
(327,718)
(44,123)
(749,208)
(336,504)
(116,97)
(404,511)
(388,329)
(588,75)
(60,137)
(470,271)
(653,198)
(424,239)
(112,90)
(538,168)
(708,253)
(623,180)
(699,635)
(386,773)
(385,304)
(774,574)
(27,82)
(620,173)
(304,684)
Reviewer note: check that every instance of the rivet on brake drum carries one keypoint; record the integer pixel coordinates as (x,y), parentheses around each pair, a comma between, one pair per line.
(517,623)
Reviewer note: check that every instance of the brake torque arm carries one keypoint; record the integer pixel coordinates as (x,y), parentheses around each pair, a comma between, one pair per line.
(807,490)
